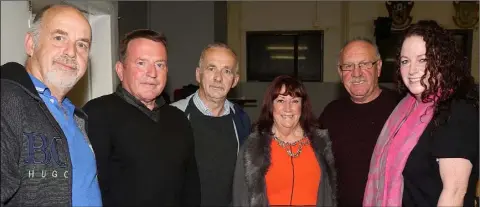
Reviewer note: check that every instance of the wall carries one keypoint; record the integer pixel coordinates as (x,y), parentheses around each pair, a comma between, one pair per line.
(100,78)
(189,27)
(258,16)
(220,21)
(132,15)
(14,25)
(339,20)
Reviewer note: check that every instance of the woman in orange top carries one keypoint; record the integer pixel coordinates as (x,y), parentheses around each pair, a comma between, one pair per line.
(287,160)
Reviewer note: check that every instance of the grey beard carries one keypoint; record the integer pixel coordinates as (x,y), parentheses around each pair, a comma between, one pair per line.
(61,80)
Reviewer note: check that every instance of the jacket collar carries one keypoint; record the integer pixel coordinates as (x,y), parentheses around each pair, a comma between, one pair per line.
(17,74)
(257,160)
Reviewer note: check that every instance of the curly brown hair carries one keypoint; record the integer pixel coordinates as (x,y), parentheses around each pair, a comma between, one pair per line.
(444,60)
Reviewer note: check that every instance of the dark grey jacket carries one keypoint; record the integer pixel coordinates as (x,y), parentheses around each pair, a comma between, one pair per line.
(253,161)
(35,160)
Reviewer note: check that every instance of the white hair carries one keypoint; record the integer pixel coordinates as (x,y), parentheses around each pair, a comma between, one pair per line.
(362,39)
(218,45)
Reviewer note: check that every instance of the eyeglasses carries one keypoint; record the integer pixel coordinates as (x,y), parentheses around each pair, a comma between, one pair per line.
(361,65)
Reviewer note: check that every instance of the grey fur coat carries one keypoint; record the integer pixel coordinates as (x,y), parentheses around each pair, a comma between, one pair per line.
(253,161)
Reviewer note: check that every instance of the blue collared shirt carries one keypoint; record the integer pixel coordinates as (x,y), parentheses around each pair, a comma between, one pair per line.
(85,189)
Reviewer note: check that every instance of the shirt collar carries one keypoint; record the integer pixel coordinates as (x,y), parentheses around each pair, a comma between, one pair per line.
(204,109)
(129,98)
(39,86)
(43,90)
(126,95)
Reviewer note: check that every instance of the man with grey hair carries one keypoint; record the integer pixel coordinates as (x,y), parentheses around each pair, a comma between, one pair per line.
(219,125)
(47,159)
(354,122)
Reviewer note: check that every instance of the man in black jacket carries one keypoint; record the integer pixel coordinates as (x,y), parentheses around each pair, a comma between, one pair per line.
(144,147)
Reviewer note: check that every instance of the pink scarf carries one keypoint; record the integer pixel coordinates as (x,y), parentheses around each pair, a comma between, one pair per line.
(397,139)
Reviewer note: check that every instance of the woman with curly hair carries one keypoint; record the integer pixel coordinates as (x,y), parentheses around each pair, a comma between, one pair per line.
(287,160)
(427,152)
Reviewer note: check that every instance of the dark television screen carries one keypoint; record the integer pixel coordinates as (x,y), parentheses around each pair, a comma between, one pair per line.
(295,53)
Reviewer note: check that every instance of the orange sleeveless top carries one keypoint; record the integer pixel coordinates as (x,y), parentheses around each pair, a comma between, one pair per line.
(292,181)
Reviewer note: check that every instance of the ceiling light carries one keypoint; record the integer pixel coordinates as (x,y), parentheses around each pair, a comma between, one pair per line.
(286,57)
(286,48)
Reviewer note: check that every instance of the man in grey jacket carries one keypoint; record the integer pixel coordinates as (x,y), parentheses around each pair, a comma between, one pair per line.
(46,156)
(219,126)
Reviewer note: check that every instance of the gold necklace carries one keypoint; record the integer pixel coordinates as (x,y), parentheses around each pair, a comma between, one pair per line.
(287,145)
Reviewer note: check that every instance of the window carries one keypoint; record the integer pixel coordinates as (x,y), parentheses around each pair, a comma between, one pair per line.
(388,48)
(295,53)
(464,40)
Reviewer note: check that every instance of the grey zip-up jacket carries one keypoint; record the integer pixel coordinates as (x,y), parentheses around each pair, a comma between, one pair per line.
(35,161)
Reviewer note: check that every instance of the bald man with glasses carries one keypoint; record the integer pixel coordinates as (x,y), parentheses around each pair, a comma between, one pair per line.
(354,122)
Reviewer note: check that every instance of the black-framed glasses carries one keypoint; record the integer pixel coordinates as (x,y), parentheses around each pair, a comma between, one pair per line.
(361,65)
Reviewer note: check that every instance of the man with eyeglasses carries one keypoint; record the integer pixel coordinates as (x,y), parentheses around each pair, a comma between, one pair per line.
(354,122)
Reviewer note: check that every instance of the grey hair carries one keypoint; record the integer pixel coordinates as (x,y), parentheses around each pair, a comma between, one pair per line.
(218,45)
(35,26)
(362,39)
(35,31)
